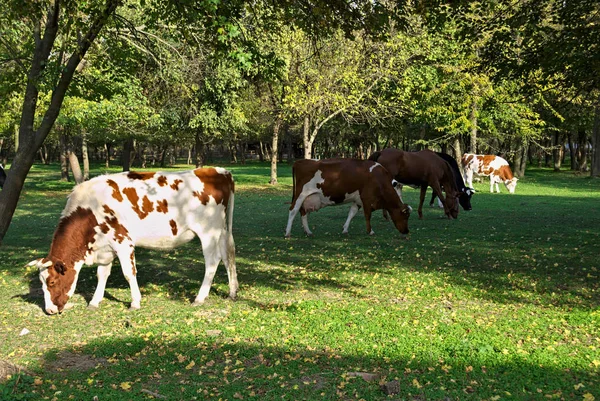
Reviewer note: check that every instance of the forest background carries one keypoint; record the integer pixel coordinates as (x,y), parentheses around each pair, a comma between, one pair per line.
(143,82)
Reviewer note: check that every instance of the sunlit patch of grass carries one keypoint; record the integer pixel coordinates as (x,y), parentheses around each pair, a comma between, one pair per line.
(499,304)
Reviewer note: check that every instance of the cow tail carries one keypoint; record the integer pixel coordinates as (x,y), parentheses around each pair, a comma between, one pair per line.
(293,186)
(230,241)
(375,156)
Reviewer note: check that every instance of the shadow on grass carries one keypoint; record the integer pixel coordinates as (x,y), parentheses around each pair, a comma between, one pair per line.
(215,366)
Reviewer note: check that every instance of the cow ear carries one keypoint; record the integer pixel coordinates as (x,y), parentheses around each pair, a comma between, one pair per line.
(60,268)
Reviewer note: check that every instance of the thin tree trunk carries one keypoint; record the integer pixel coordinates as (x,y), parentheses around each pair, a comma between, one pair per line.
(306,138)
(572,151)
(595,170)
(107,155)
(199,150)
(556,145)
(274,147)
(582,151)
(85,157)
(126,155)
(457,151)
(75,168)
(189,157)
(473,139)
(64,167)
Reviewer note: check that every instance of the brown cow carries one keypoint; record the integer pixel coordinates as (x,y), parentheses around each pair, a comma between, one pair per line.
(422,169)
(328,182)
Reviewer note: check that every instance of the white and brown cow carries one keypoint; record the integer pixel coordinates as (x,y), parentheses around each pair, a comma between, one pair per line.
(493,166)
(110,215)
(363,183)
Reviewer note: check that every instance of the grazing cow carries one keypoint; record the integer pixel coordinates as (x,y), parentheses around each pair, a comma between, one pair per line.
(112,214)
(465,192)
(422,169)
(493,166)
(363,183)
(2,176)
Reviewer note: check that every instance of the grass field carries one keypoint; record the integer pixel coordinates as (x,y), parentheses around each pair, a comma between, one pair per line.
(501,304)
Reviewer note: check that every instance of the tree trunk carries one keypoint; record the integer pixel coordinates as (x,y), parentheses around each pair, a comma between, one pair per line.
(274,147)
(107,155)
(520,160)
(595,170)
(556,146)
(75,168)
(85,157)
(457,151)
(572,151)
(306,138)
(582,151)
(473,139)
(64,157)
(126,155)
(199,151)
(189,157)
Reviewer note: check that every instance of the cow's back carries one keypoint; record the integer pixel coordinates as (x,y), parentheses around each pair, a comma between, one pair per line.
(155,209)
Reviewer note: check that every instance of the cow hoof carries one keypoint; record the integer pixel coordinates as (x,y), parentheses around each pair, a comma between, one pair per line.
(197,303)
(309,234)
(134,308)
(344,232)
(288,236)
(92,307)
(372,232)
(233,297)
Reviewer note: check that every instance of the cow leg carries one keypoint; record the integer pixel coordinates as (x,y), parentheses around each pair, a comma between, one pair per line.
(367,210)
(421,201)
(351,214)
(126,257)
(304,215)
(292,215)
(211,261)
(228,257)
(491,183)
(437,189)
(103,273)
(468,177)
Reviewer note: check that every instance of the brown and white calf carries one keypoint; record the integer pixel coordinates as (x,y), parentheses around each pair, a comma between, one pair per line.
(422,169)
(493,166)
(110,215)
(363,183)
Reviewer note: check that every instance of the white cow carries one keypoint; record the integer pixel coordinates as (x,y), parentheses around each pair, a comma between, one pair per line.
(489,165)
(110,215)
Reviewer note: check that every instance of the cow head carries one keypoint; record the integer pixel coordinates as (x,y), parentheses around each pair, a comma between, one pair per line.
(58,283)
(511,184)
(400,217)
(452,202)
(464,198)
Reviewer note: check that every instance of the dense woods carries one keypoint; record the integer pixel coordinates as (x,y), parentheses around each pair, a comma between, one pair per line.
(146,83)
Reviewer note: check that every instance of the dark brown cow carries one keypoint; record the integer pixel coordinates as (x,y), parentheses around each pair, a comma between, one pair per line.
(422,169)
(110,215)
(362,183)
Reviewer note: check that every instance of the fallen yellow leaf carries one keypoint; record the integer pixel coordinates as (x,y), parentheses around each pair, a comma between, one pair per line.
(190,365)
(588,397)
(126,386)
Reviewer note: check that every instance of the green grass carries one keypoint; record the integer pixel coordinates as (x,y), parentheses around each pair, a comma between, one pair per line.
(501,304)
